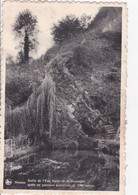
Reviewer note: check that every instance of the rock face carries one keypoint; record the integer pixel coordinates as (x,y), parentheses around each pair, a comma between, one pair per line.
(79,95)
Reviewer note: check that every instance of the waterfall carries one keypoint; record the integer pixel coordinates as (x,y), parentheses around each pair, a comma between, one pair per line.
(46,106)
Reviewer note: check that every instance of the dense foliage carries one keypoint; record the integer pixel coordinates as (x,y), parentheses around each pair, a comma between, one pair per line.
(25,28)
(72,93)
(69,27)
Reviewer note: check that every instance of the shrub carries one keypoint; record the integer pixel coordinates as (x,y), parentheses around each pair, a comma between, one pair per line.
(18,90)
(65,29)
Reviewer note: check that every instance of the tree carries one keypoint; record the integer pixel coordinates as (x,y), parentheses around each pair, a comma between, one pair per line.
(65,29)
(85,21)
(26,29)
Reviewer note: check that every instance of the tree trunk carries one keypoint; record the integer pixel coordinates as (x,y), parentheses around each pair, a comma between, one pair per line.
(26,47)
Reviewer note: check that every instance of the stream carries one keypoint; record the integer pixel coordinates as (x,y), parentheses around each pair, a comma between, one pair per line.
(63,170)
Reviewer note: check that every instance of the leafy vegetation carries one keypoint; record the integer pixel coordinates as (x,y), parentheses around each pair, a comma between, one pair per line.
(69,27)
(25,29)
(72,91)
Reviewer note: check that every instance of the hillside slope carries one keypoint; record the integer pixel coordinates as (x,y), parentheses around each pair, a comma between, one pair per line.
(79,95)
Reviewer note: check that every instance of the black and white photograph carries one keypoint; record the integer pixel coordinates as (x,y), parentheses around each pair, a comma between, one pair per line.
(63,114)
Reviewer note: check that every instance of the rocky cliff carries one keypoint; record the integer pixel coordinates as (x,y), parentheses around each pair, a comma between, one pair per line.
(79,95)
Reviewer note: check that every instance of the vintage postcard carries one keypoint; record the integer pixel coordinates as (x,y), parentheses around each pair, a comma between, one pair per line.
(63,97)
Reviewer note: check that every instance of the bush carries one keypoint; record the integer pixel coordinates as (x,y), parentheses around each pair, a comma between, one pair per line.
(20,58)
(67,28)
(18,90)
